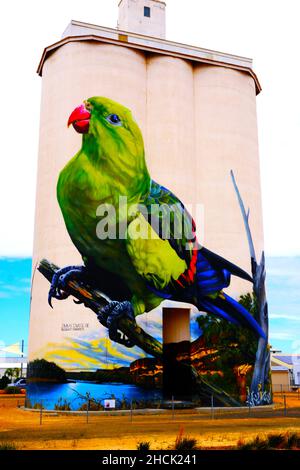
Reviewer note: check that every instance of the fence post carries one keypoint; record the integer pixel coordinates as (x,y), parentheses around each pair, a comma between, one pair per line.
(212,407)
(284,404)
(87,411)
(173,413)
(281,390)
(41,413)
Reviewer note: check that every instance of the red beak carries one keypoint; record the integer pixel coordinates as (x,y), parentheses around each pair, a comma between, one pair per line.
(80,118)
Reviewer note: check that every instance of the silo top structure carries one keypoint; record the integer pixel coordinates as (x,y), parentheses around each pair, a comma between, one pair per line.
(196,109)
(143,17)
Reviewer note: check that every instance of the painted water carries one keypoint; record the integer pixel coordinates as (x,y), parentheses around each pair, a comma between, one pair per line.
(77,393)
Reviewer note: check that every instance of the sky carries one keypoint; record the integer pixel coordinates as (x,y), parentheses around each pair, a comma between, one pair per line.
(15,274)
(265,30)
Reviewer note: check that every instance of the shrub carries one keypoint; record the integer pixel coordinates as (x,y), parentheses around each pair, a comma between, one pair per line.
(37,406)
(12,390)
(292,440)
(8,446)
(62,405)
(143,446)
(93,406)
(184,443)
(4,381)
(260,443)
(275,441)
(124,405)
(272,441)
(257,443)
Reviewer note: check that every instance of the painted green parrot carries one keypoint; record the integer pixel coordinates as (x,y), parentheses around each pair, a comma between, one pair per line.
(149,262)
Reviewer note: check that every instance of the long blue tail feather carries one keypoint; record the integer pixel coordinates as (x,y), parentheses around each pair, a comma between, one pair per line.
(208,306)
(232,311)
(210,280)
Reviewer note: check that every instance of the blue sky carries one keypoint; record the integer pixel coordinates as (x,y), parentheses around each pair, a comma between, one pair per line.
(283,285)
(14,299)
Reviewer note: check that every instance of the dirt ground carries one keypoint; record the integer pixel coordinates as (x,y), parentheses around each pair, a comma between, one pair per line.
(105,432)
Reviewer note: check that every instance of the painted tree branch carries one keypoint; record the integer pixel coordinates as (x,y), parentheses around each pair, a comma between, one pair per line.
(261,374)
(245,218)
(95,300)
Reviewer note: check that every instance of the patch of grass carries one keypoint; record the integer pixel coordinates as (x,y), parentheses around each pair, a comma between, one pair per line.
(93,406)
(8,446)
(12,390)
(184,443)
(290,441)
(38,406)
(74,443)
(275,441)
(293,440)
(143,446)
(62,405)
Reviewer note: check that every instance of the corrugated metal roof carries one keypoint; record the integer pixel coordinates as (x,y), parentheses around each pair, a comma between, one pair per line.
(288,358)
(279,368)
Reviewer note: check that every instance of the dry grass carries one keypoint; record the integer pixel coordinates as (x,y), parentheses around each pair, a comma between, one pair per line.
(160,431)
(183,442)
(286,441)
(8,446)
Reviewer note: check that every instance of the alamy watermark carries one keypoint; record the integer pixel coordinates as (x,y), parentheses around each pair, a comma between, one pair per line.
(139,221)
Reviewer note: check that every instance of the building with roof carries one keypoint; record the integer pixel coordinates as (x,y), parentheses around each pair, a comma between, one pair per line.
(285,370)
(13,363)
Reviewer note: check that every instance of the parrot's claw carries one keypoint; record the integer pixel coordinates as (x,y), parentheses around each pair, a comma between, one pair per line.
(110,315)
(60,280)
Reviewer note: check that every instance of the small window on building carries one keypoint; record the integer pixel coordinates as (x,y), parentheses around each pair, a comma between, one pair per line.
(147,12)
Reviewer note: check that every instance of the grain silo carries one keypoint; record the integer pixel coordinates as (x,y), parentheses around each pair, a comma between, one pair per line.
(196,109)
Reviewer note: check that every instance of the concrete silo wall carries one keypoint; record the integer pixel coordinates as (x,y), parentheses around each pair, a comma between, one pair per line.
(75,72)
(226,139)
(198,123)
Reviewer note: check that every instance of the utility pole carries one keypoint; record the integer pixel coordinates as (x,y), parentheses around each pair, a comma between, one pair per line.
(22,355)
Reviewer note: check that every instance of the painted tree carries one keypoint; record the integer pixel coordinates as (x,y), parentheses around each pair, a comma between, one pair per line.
(261,389)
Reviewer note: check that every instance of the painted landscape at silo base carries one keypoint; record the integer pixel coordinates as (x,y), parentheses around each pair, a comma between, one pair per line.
(78,372)
(139,250)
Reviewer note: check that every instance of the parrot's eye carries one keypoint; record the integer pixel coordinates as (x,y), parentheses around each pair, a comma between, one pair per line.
(114,119)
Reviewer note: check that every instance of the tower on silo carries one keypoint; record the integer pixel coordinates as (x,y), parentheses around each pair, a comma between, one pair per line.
(147,17)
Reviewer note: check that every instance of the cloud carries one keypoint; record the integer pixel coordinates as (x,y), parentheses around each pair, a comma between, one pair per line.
(9,292)
(4,295)
(285,316)
(89,355)
(281,335)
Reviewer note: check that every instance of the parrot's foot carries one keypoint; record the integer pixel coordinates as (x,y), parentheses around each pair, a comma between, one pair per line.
(110,315)
(60,280)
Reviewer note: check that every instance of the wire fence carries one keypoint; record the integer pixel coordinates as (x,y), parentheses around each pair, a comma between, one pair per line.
(286,404)
(286,387)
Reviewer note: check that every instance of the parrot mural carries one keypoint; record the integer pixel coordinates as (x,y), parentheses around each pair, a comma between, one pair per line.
(137,273)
